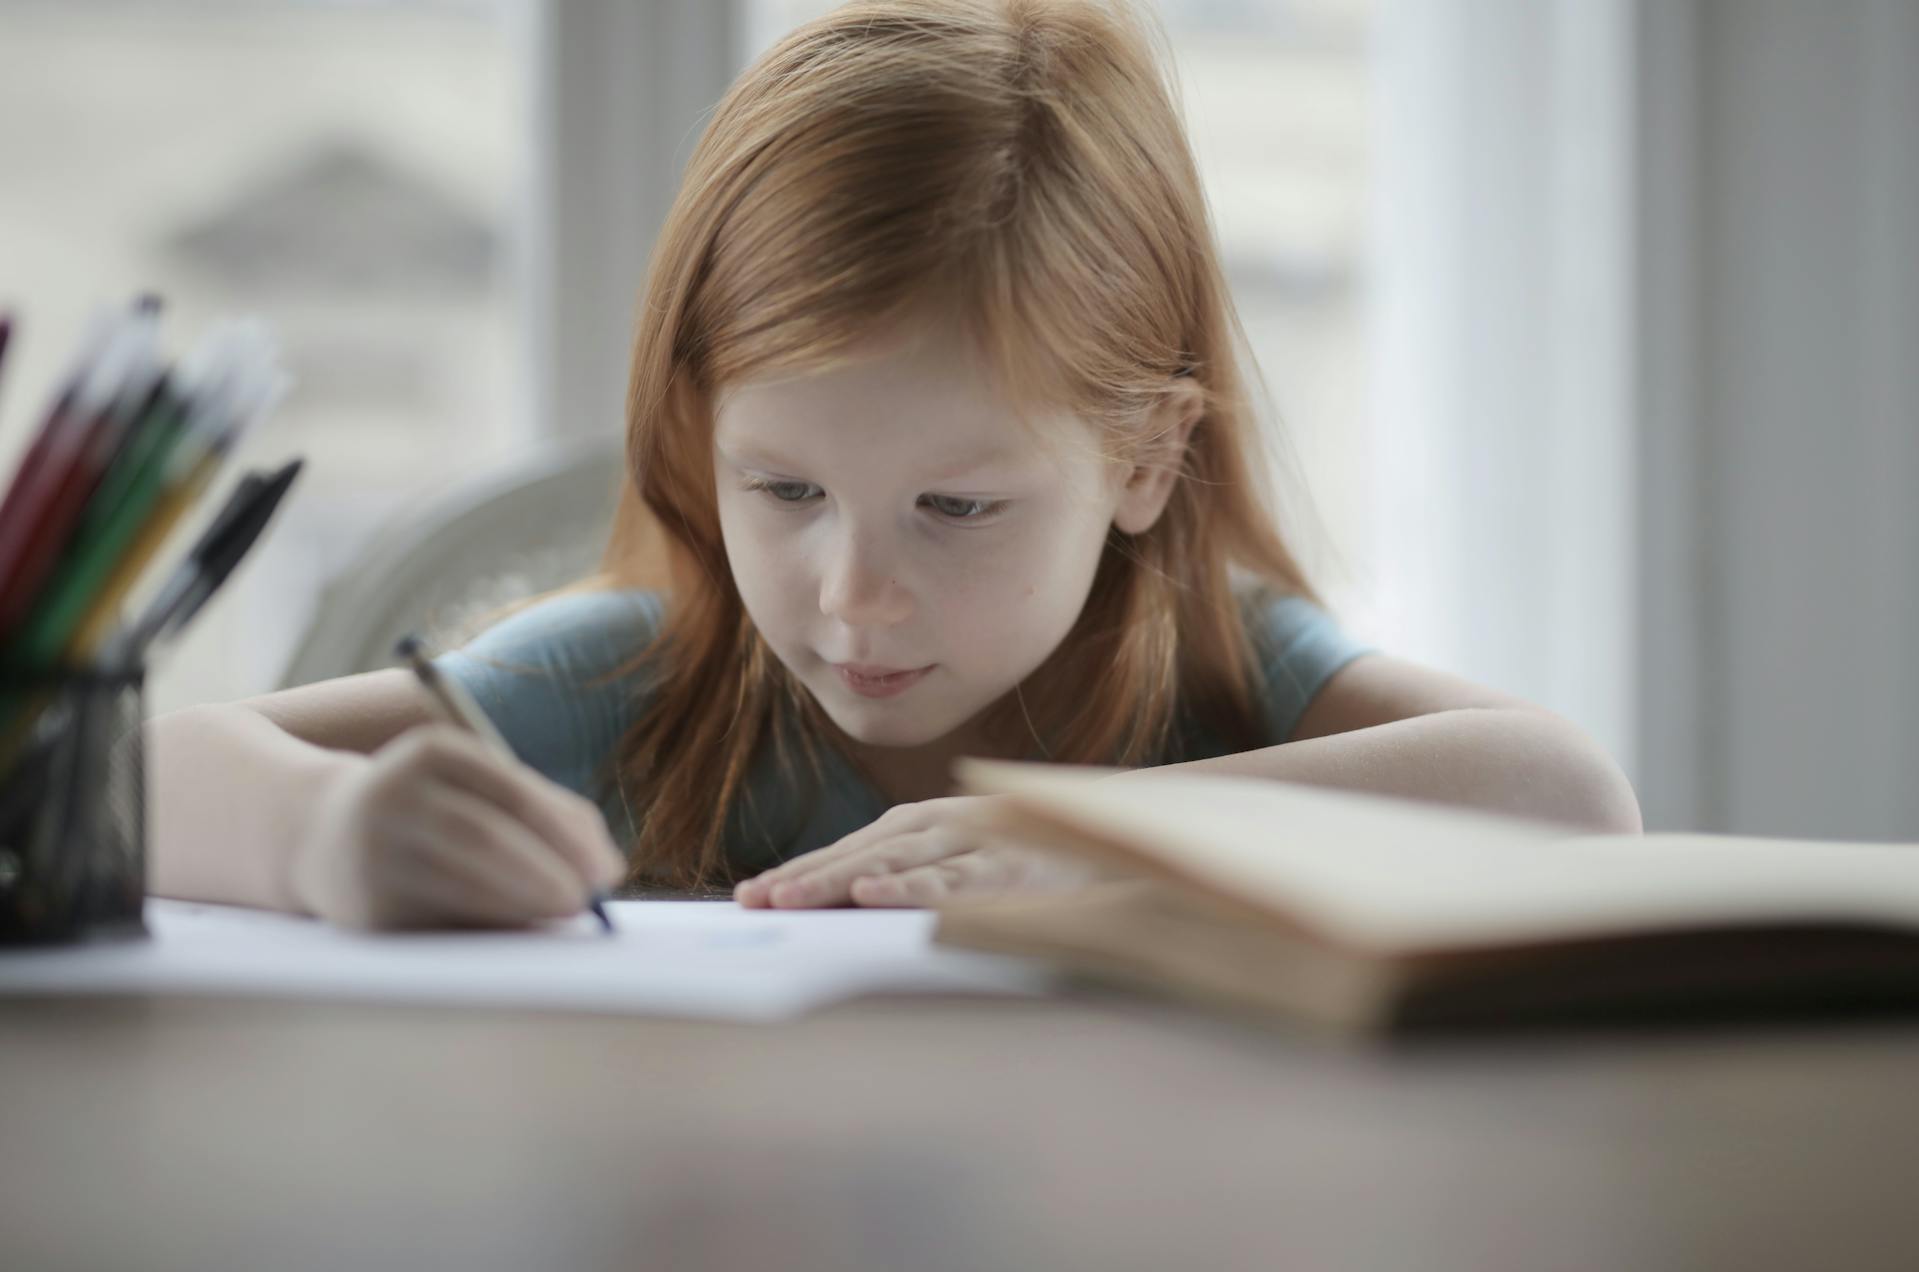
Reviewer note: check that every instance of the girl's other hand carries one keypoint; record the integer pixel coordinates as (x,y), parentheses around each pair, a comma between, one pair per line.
(913,855)
(433,830)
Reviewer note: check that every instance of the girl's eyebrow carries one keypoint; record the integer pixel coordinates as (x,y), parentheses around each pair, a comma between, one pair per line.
(951,472)
(946,468)
(752,455)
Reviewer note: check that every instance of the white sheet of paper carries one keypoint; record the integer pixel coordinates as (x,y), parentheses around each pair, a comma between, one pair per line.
(668,958)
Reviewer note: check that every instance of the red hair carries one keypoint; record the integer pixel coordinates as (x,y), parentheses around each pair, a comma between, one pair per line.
(1021,162)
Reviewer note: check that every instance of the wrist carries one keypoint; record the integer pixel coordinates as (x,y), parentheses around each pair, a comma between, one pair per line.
(303,825)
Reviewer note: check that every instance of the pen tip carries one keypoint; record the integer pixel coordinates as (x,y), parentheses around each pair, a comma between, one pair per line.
(597,904)
(408,648)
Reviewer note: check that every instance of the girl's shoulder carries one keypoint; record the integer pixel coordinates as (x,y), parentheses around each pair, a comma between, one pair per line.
(582,633)
(1297,646)
(562,678)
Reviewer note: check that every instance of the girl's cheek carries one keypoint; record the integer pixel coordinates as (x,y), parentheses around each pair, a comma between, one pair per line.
(763,564)
(977,581)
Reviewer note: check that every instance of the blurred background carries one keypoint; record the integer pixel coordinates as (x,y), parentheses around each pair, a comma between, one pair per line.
(1593,324)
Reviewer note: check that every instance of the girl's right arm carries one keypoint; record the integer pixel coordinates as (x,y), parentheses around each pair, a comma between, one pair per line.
(345,800)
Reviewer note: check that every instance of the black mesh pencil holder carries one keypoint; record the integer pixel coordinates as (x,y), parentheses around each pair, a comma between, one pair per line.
(72,805)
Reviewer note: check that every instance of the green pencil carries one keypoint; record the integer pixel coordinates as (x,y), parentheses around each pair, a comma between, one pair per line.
(105,536)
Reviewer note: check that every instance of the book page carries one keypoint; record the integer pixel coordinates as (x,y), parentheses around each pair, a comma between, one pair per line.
(1393,875)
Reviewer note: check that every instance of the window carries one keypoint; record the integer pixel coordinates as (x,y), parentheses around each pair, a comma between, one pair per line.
(356,172)
(347,171)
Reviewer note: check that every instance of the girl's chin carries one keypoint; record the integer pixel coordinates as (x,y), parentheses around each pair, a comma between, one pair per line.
(894,722)
(891,733)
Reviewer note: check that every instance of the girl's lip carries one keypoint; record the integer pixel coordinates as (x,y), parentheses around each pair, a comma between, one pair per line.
(878,682)
(868,672)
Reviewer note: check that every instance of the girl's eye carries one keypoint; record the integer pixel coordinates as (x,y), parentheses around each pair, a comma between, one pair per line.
(963,509)
(783,491)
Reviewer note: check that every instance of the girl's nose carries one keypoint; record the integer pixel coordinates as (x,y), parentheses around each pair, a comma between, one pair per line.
(860,589)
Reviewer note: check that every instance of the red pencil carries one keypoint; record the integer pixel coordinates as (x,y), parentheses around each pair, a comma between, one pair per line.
(33,530)
(26,474)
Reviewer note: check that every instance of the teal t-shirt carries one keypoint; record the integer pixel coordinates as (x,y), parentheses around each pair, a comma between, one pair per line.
(545,677)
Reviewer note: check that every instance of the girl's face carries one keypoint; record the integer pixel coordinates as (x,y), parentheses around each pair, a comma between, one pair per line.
(904,544)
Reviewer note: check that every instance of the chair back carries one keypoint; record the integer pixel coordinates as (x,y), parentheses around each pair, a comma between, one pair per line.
(440,569)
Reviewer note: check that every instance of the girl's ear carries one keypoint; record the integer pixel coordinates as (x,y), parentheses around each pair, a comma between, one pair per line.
(1149,484)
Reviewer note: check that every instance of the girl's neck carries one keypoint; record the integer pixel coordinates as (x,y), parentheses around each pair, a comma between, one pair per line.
(907,775)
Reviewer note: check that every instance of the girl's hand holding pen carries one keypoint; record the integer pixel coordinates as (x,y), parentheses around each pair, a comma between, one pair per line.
(435,830)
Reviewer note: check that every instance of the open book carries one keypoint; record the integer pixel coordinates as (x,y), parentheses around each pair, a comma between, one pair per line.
(1362,913)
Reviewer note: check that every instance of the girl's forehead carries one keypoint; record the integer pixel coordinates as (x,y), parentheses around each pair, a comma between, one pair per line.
(916,383)
(946,408)
(930,446)
(933,366)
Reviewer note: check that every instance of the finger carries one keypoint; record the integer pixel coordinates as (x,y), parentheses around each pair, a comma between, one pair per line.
(561,817)
(477,864)
(569,822)
(832,885)
(971,873)
(757,890)
(825,881)
(895,821)
(436,886)
(420,878)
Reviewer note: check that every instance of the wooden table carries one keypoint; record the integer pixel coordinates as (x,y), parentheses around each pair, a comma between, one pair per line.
(926,1134)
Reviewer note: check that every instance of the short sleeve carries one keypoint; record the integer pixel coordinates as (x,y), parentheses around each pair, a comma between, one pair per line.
(545,677)
(1299,647)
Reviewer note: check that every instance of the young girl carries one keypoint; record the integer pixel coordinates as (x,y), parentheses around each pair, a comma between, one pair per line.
(937,445)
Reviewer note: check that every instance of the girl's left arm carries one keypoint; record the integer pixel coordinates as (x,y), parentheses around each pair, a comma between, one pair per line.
(1380,724)
(1393,727)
